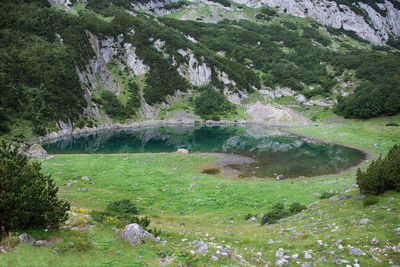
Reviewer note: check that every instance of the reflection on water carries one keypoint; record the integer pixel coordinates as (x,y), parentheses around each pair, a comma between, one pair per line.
(273,151)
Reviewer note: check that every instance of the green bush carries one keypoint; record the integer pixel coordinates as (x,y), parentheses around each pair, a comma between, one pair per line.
(122,212)
(278,212)
(296,207)
(28,198)
(211,104)
(370,200)
(381,175)
(392,124)
(124,206)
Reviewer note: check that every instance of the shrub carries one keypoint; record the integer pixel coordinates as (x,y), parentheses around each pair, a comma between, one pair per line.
(370,200)
(296,207)
(278,212)
(124,206)
(28,198)
(122,212)
(381,175)
(392,124)
(211,104)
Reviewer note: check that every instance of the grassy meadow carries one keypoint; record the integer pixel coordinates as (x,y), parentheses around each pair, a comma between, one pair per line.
(188,205)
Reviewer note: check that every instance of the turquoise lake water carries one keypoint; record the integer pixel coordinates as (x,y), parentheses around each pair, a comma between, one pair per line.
(273,151)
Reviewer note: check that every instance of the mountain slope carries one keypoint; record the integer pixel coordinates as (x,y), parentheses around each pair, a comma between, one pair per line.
(107,61)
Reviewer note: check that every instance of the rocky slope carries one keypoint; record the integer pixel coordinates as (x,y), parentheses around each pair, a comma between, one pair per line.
(373,27)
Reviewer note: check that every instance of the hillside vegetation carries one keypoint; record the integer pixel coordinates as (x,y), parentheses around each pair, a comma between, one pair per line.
(45,51)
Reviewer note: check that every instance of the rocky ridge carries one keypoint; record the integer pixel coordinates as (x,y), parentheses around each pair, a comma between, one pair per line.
(376,28)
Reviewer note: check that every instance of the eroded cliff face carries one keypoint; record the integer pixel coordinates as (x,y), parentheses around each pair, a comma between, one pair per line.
(376,28)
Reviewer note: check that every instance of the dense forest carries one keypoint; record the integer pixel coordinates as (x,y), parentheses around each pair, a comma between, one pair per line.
(42,48)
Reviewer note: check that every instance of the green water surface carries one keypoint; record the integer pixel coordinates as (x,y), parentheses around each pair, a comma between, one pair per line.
(274,152)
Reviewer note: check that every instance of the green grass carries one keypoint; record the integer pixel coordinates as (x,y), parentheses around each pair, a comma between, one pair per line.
(160,185)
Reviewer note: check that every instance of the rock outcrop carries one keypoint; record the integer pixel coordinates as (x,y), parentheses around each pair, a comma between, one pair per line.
(135,234)
(375,27)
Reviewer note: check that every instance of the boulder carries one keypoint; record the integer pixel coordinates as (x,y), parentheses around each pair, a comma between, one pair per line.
(182,150)
(135,234)
(357,252)
(85,178)
(26,239)
(36,151)
(200,246)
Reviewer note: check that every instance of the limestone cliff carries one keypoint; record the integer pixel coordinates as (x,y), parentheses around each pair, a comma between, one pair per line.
(374,27)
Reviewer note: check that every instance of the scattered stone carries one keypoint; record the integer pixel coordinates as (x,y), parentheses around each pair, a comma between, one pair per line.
(306,264)
(341,261)
(83,189)
(134,234)
(357,252)
(200,246)
(252,219)
(365,221)
(270,242)
(56,250)
(334,198)
(214,258)
(397,231)
(280,253)
(85,178)
(40,243)
(3,250)
(280,177)
(322,259)
(282,262)
(308,255)
(182,150)
(26,239)
(295,256)
(374,241)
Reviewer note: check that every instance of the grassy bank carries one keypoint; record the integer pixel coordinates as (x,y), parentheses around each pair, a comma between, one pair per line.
(187,205)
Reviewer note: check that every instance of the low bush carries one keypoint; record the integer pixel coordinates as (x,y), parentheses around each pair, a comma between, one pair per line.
(120,213)
(296,207)
(381,175)
(279,212)
(392,124)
